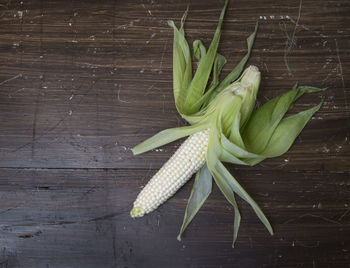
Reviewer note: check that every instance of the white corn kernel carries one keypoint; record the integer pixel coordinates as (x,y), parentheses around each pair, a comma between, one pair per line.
(186,161)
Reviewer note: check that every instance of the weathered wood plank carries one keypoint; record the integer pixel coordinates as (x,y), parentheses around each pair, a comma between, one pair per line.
(78,80)
(76,218)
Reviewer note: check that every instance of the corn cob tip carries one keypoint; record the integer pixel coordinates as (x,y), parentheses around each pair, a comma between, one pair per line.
(136,212)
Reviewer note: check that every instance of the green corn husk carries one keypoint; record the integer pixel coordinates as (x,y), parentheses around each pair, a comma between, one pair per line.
(238,133)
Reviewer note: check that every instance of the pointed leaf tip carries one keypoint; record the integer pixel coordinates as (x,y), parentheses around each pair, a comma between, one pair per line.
(200,192)
(287,131)
(199,82)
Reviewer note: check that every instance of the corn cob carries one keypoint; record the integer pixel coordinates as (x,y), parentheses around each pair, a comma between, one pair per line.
(186,161)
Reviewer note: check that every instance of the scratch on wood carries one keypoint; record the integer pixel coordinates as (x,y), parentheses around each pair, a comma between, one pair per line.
(297,22)
(11,94)
(150,90)
(93,65)
(49,130)
(38,137)
(30,235)
(10,79)
(329,74)
(162,58)
(290,42)
(314,216)
(267,69)
(102,218)
(152,36)
(127,25)
(36,109)
(317,244)
(9,209)
(148,171)
(341,75)
(87,192)
(118,96)
(340,64)
(343,215)
(306,28)
(34,124)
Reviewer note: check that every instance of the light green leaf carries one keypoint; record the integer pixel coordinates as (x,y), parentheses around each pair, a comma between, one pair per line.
(236,150)
(236,72)
(182,65)
(227,157)
(253,161)
(201,115)
(287,131)
(192,119)
(199,50)
(219,63)
(230,114)
(236,224)
(264,120)
(200,79)
(220,171)
(230,196)
(250,78)
(167,136)
(308,90)
(235,134)
(200,192)
(213,153)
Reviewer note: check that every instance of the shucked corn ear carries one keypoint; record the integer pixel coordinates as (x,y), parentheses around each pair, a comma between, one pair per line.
(225,127)
(186,161)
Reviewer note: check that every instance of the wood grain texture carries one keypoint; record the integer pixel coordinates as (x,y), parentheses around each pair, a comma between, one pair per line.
(80,218)
(82,82)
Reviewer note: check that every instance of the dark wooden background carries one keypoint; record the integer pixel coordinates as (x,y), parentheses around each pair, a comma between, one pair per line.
(82,82)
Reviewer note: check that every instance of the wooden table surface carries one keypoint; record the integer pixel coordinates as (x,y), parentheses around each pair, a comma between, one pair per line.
(82,82)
